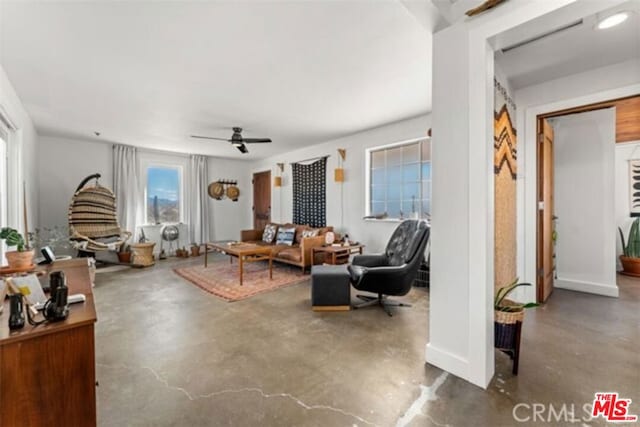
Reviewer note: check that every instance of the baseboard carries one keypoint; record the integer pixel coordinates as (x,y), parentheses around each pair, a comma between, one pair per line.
(447,361)
(588,287)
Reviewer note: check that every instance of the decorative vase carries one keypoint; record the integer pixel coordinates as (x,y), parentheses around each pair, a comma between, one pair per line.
(630,266)
(20,260)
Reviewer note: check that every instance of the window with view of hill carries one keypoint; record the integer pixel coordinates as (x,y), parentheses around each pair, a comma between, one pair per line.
(163,194)
(400,181)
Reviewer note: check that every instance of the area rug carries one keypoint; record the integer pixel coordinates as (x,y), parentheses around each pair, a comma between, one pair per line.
(223,279)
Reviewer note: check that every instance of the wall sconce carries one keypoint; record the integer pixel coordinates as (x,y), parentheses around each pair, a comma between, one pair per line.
(338,173)
(277,181)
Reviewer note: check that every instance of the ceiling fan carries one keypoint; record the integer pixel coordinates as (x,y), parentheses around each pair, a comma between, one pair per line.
(237,140)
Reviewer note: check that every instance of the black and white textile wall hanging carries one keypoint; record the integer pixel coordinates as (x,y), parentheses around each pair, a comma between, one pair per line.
(310,193)
(634,187)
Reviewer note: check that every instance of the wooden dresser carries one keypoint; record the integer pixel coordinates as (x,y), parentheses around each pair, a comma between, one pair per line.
(47,372)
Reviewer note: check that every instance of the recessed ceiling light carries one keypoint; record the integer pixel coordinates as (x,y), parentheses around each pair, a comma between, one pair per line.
(612,20)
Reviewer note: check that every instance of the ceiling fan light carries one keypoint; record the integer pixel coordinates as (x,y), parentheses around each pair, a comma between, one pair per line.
(612,20)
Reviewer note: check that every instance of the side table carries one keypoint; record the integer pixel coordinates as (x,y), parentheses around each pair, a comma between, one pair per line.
(336,255)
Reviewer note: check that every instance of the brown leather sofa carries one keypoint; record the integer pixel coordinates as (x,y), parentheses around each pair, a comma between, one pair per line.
(299,254)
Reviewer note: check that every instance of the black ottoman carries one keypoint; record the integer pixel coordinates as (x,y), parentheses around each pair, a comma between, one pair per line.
(330,288)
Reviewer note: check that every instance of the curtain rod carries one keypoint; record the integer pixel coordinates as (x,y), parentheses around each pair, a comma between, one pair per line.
(312,158)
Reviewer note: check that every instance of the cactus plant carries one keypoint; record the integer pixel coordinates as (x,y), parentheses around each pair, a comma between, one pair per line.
(631,247)
(13,238)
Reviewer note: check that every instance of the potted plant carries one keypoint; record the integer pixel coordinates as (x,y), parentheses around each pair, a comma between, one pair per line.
(22,257)
(124,255)
(195,249)
(630,257)
(506,314)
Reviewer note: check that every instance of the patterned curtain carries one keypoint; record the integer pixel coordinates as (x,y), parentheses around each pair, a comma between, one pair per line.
(309,193)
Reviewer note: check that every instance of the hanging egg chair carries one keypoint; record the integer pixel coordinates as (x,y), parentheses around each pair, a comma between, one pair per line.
(93,224)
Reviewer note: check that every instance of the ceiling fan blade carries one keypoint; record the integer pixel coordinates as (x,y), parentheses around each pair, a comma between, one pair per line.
(242,148)
(255,140)
(209,137)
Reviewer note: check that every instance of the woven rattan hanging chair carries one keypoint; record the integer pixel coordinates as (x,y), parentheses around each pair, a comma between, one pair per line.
(93,224)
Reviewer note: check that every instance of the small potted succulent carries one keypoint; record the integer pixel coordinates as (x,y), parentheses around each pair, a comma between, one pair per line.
(22,257)
(195,249)
(630,257)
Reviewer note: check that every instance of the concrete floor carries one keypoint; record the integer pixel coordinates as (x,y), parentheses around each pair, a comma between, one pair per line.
(170,354)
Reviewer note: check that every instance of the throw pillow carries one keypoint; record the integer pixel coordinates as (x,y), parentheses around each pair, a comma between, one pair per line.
(286,236)
(269,233)
(312,232)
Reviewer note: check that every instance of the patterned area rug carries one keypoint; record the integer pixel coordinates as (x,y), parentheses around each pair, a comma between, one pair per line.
(223,279)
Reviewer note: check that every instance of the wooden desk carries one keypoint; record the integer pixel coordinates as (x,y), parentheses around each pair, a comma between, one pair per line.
(47,372)
(336,254)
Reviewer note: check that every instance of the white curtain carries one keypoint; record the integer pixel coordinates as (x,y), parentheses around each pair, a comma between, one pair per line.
(198,202)
(126,175)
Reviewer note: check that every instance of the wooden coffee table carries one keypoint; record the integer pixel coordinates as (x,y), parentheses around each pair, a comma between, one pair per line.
(336,254)
(245,252)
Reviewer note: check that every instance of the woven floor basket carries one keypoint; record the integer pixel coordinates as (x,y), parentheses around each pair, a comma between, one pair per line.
(508,317)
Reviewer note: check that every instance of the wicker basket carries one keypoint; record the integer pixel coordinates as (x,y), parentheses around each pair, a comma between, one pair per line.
(508,317)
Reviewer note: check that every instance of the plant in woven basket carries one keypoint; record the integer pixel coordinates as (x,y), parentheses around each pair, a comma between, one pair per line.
(13,238)
(500,303)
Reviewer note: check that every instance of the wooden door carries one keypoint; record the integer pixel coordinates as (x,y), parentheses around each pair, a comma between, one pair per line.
(261,199)
(545,253)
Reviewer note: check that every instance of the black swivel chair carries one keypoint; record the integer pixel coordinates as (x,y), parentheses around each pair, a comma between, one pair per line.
(393,272)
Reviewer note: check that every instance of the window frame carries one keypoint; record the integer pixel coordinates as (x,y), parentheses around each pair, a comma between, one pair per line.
(368,177)
(146,164)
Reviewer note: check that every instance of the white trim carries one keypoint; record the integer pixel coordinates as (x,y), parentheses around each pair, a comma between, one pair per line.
(588,287)
(447,361)
(6,119)
(527,208)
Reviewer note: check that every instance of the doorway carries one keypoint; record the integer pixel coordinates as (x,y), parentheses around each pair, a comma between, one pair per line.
(261,199)
(577,195)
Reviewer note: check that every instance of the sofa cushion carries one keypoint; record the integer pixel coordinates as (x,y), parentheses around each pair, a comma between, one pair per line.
(269,234)
(310,232)
(291,254)
(299,230)
(286,235)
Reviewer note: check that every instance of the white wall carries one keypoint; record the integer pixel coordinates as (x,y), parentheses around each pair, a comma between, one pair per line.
(63,164)
(229,218)
(346,206)
(624,152)
(602,84)
(22,152)
(584,194)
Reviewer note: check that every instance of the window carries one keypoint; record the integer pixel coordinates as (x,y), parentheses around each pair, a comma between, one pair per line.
(400,180)
(163,194)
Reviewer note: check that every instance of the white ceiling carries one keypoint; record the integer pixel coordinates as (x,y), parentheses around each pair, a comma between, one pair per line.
(152,73)
(571,51)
